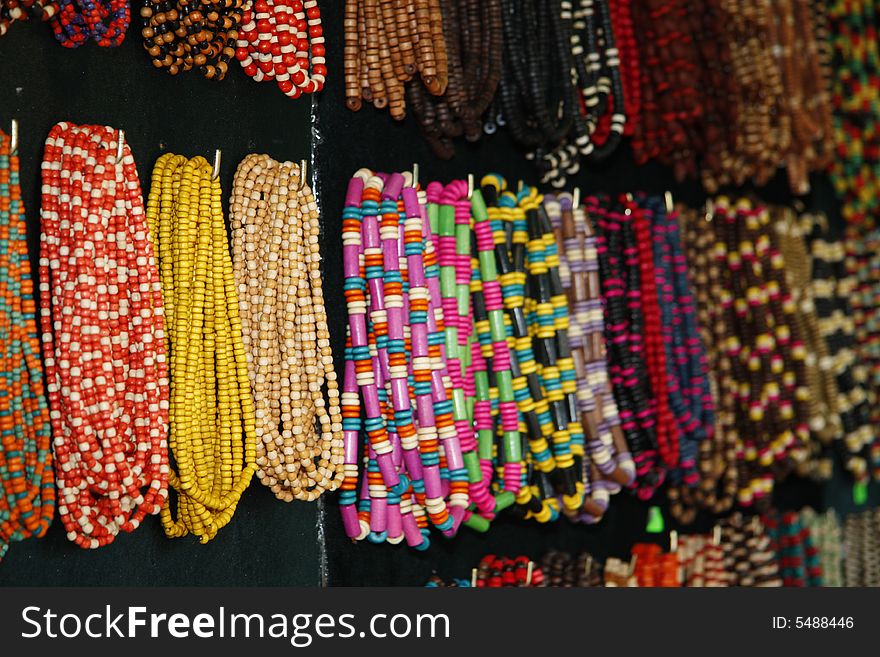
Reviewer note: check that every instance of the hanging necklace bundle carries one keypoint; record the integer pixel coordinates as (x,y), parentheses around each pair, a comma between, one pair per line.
(690,398)
(855,168)
(618,253)
(861,535)
(80,21)
(798,557)
(825,532)
(183,35)
(561,82)
(283,40)
(719,474)
(701,560)
(611,464)
(21,10)
(274,221)
(212,421)
(671,105)
(763,346)
(28,487)
(388,42)
(473,38)
(415,468)
(863,265)
(106,371)
(748,555)
(566,570)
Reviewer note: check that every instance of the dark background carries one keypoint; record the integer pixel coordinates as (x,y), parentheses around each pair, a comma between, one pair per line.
(269,542)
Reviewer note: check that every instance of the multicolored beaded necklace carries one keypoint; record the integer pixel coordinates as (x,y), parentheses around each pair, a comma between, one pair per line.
(21,10)
(28,501)
(611,463)
(212,420)
(106,370)
(80,21)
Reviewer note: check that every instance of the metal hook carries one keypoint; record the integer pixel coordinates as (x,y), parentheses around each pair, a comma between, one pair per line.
(415,175)
(473,578)
(529,572)
(13,137)
(216,172)
(710,209)
(669,205)
(470,186)
(716,535)
(673,541)
(576,198)
(303,172)
(120,144)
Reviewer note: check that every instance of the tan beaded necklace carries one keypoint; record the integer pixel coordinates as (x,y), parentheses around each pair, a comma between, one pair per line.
(274,220)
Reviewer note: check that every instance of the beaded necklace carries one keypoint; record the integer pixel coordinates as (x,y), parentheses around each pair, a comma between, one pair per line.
(274,222)
(797,555)
(183,35)
(618,255)
(106,371)
(387,42)
(718,456)
(102,21)
(855,169)
(283,40)
(508,224)
(21,10)
(473,38)
(825,532)
(548,318)
(395,353)
(579,274)
(28,500)
(748,555)
(690,399)
(861,564)
(212,422)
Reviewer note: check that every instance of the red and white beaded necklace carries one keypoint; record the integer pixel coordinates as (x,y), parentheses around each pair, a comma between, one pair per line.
(103,337)
(283,40)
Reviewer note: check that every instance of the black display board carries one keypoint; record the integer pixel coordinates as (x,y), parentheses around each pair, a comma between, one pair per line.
(269,542)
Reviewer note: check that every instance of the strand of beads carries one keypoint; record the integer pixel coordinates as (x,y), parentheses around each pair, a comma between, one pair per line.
(508,224)
(579,274)
(548,320)
(416,469)
(473,38)
(855,169)
(283,40)
(181,35)
(274,221)
(80,21)
(621,292)
(861,564)
(106,371)
(825,532)
(388,42)
(795,550)
(28,500)
(690,399)
(719,474)
(21,10)
(212,422)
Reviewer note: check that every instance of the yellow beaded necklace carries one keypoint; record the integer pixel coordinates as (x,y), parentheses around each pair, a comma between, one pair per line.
(212,433)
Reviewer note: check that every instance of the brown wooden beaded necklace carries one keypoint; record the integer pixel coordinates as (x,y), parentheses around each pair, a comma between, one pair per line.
(386,43)
(473,36)
(192,34)
(274,220)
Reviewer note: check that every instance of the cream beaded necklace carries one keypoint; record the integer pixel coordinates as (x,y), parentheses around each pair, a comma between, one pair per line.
(274,220)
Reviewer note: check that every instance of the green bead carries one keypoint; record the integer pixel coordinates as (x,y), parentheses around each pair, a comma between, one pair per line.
(478,206)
